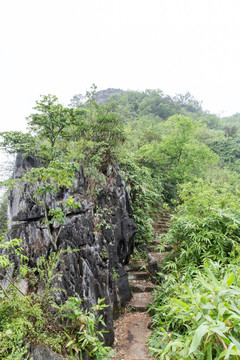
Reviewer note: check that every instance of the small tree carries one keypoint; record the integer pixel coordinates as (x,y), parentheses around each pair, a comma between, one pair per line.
(179,157)
(50,130)
(188,102)
(52,122)
(230,131)
(103,131)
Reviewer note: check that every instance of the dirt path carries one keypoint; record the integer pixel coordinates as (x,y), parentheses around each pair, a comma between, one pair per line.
(131,333)
(133,328)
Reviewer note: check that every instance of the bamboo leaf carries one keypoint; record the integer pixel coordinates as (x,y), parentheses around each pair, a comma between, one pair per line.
(230,279)
(70,343)
(180,304)
(209,351)
(199,333)
(211,275)
(229,351)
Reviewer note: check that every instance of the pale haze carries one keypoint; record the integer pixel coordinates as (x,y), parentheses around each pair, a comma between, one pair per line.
(61,47)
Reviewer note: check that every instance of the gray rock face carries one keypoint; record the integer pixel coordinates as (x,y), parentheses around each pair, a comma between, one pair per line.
(43,353)
(102,230)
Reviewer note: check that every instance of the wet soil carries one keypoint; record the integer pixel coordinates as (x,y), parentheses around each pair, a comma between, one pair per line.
(131,334)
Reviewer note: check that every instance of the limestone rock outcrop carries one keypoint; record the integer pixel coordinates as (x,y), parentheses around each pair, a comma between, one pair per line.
(101,230)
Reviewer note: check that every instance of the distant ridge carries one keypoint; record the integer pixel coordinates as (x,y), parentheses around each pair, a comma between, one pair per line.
(103,95)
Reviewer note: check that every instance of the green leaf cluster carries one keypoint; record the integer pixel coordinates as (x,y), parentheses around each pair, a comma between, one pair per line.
(202,321)
(83,334)
(145,193)
(34,317)
(206,225)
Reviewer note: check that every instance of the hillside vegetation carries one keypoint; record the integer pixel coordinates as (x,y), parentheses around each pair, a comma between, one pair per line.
(173,155)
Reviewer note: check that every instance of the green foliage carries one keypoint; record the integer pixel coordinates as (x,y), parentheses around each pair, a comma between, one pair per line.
(16,141)
(134,104)
(52,178)
(34,318)
(230,122)
(103,133)
(83,332)
(158,104)
(129,103)
(12,247)
(52,122)
(50,130)
(145,195)
(230,131)
(228,151)
(3,214)
(205,226)
(202,321)
(25,318)
(179,156)
(47,182)
(188,102)
(95,179)
(212,121)
(55,132)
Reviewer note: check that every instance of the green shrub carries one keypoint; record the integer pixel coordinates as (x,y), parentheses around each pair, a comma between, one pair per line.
(205,227)
(35,317)
(202,321)
(83,330)
(146,197)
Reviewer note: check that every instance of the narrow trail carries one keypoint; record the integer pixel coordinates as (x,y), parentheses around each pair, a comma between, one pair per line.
(133,328)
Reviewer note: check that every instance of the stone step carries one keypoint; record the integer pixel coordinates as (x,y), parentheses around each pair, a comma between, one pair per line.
(153,249)
(140,301)
(156,242)
(160,226)
(160,233)
(165,213)
(162,221)
(159,257)
(141,286)
(135,265)
(138,275)
(153,246)
(135,358)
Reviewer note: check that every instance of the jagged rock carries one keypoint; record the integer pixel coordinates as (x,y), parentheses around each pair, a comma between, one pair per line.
(43,353)
(103,95)
(96,270)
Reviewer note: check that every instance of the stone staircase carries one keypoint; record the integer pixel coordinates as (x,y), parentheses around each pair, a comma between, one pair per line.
(133,328)
(140,273)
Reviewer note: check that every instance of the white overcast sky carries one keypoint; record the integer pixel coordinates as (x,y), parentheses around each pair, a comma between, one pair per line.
(61,47)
